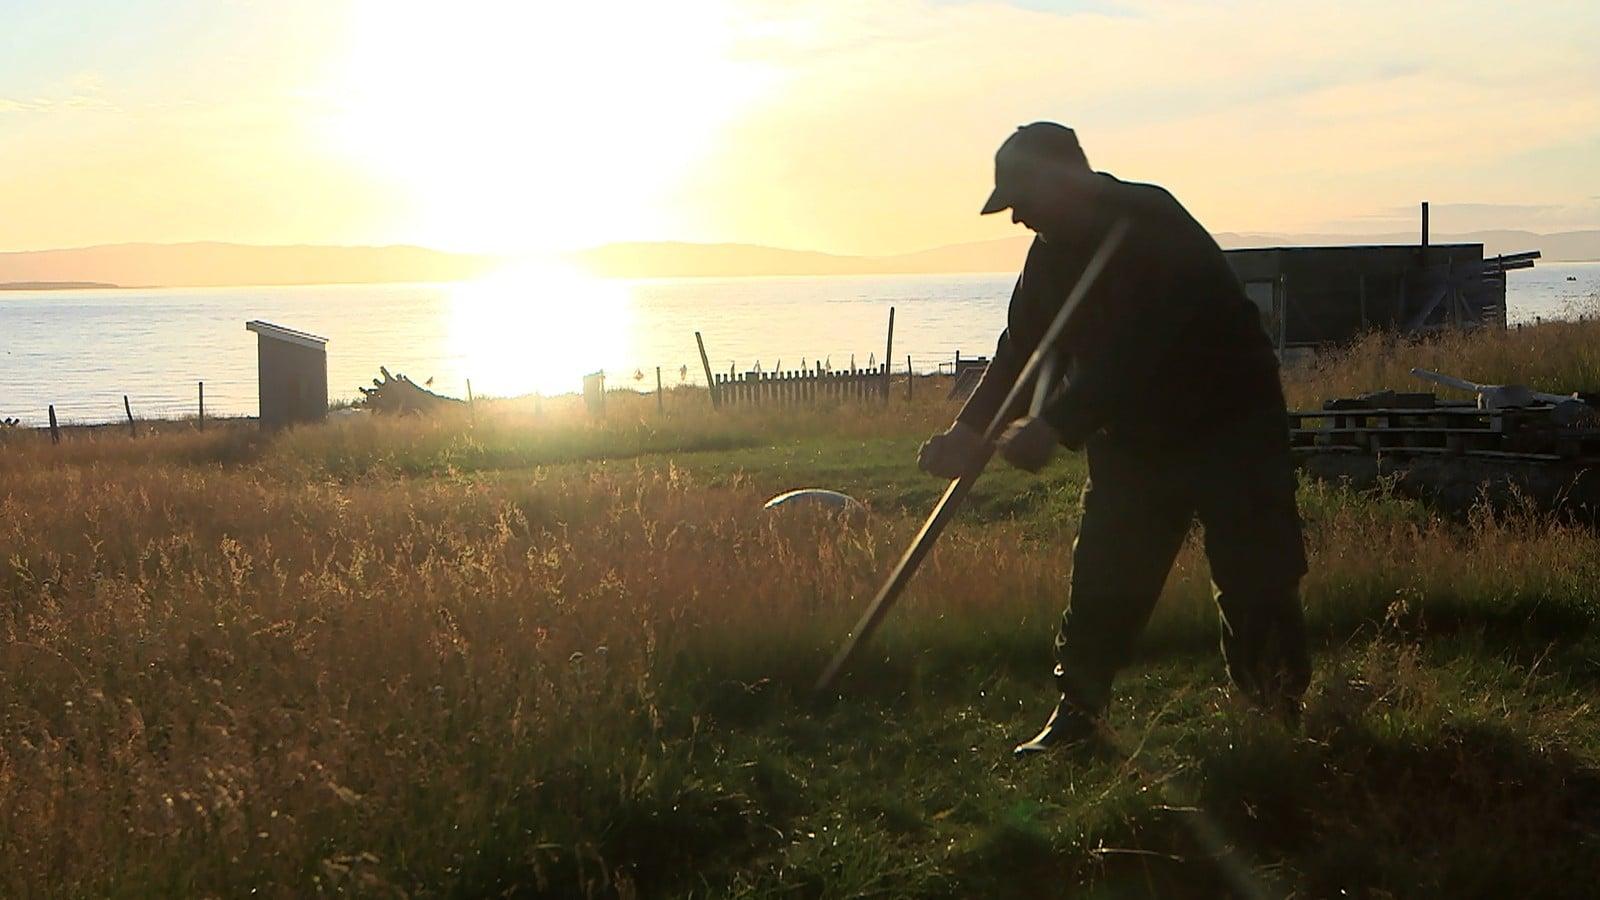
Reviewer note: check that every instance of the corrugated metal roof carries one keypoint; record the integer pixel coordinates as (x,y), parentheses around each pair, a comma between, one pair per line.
(1301,248)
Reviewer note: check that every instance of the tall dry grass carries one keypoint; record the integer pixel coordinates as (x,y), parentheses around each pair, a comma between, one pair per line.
(232,664)
(219,681)
(1559,357)
(216,680)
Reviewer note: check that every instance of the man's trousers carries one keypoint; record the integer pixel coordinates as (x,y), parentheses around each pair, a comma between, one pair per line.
(1137,509)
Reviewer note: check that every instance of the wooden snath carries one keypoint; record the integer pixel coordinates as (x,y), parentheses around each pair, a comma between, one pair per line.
(1034,375)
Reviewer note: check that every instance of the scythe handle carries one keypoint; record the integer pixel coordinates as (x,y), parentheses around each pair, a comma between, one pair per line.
(1035,373)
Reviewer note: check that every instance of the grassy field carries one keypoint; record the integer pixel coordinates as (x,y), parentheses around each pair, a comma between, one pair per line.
(537,655)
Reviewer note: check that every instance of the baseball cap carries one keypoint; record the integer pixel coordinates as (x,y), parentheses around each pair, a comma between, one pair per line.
(1022,153)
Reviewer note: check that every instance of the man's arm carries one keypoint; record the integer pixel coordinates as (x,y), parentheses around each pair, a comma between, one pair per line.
(997,379)
(1015,345)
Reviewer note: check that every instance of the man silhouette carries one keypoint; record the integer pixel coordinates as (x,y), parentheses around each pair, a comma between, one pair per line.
(1173,388)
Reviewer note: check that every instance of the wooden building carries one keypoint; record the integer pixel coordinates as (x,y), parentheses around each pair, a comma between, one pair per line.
(1310,296)
(292,369)
(1318,295)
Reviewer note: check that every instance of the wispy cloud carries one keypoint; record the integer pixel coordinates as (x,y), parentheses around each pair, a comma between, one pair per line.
(1471,209)
(1066,7)
(1462,217)
(81,92)
(847,125)
(1258,113)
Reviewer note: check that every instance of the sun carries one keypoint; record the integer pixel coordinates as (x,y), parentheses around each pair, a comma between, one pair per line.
(537,126)
(539,327)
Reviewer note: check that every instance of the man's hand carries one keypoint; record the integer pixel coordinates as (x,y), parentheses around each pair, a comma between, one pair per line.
(951,454)
(1028,443)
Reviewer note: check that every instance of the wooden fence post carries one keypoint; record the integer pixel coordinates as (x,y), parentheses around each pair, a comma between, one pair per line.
(128,408)
(888,354)
(55,430)
(911,377)
(472,406)
(202,406)
(711,385)
(660,408)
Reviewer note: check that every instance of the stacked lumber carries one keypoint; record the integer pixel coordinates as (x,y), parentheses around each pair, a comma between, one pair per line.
(1419,424)
(1456,455)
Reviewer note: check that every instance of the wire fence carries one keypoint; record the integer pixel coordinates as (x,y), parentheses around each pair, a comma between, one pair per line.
(107,408)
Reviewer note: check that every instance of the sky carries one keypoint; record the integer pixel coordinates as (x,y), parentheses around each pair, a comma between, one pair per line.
(849,126)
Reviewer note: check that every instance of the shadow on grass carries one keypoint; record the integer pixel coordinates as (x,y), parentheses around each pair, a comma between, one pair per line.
(1432,796)
(1460,809)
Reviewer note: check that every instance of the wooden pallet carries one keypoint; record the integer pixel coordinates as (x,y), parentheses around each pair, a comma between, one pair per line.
(1416,428)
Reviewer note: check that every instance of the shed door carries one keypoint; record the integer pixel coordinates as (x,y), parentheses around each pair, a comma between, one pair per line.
(1268,299)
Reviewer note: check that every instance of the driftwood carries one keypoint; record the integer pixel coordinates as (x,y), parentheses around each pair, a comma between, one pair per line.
(1567,408)
(399,394)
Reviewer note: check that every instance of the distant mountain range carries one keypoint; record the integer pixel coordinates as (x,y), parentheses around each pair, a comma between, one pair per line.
(647,260)
(55,285)
(218,264)
(211,264)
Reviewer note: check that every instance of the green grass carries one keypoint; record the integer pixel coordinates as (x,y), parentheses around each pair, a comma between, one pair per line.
(540,656)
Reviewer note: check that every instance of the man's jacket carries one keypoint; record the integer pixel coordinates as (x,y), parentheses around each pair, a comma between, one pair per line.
(1165,348)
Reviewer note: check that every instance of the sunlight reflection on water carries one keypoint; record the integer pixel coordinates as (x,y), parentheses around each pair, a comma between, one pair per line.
(522,331)
(537,330)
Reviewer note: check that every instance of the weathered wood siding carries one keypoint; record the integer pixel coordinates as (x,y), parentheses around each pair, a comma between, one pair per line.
(1316,295)
(293,382)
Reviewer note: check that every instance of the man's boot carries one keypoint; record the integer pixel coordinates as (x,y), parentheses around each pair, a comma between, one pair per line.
(1069,726)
